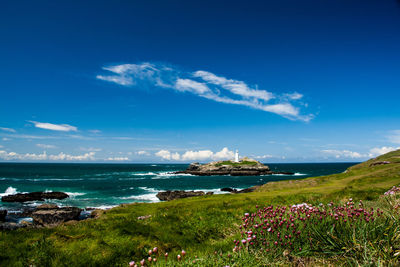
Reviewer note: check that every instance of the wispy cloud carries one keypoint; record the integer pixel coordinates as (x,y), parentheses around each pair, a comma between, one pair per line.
(343,153)
(4,155)
(90,149)
(10,130)
(373,152)
(264,157)
(55,127)
(143,153)
(377,151)
(207,85)
(46,146)
(394,137)
(190,155)
(94,131)
(117,159)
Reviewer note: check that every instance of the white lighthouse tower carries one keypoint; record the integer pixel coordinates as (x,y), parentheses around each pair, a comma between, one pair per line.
(237,156)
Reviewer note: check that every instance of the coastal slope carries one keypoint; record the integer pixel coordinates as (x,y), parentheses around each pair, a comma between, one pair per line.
(199,225)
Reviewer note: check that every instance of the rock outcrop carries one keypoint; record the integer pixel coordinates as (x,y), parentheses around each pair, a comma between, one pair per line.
(34,196)
(235,191)
(3,214)
(11,226)
(171,195)
(51,215)
(379,163)
(246,167)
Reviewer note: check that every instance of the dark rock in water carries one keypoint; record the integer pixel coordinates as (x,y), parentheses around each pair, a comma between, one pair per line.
(34,196)
(3,214)
(210,193)
(228,189)
(170,195)
(53,217)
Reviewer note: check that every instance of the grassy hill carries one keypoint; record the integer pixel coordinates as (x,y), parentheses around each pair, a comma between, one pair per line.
(205,227)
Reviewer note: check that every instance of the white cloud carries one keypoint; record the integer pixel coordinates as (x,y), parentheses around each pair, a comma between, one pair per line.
(197,155)
(95,131)
(63,156)
(343,153)
(191,86)
(377,151)
(44,156)
(143,153)
(5,139)
(225,153)
(294,96)
(190,155)
(54,127)
(165,154)
(45,146)
(8,130)
(207,85)
(118,158)
(236,87)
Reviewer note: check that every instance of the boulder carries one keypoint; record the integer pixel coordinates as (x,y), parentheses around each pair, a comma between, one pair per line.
(53,217)
(3,214)
(171,195)
(34,196)
(47,207)
(246,190)
(194,166)
(228,189)
(11,226)
(96,213)
(379,163)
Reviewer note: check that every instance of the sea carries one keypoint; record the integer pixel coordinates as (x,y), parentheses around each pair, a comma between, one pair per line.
(104,186)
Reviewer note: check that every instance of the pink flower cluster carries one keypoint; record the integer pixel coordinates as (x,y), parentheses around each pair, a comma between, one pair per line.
(292,228)
(393,191)
(152,258)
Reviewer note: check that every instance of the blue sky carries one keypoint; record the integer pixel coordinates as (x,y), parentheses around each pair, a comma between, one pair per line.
(182,81)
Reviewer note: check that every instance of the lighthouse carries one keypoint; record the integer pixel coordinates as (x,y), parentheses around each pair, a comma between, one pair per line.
(237,156)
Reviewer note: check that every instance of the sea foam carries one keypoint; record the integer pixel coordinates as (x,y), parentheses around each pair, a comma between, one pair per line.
(9,191)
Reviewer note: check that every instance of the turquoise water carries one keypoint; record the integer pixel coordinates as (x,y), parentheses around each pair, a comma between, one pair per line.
(108,185)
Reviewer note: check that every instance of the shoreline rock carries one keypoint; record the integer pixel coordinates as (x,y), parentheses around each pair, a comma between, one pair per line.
(3,214)
(171,195)
(235,191)
(51,215)
(34,196)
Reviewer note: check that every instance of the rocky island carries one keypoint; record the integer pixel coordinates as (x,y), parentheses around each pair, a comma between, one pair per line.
(244,167)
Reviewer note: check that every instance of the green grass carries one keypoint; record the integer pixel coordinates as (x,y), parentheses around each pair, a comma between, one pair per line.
(242,163)
(200,225)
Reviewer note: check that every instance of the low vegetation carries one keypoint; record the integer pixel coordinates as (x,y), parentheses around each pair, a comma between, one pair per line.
(208,228)
(242,163)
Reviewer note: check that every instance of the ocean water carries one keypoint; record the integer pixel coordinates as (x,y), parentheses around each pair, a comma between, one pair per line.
(108,185)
